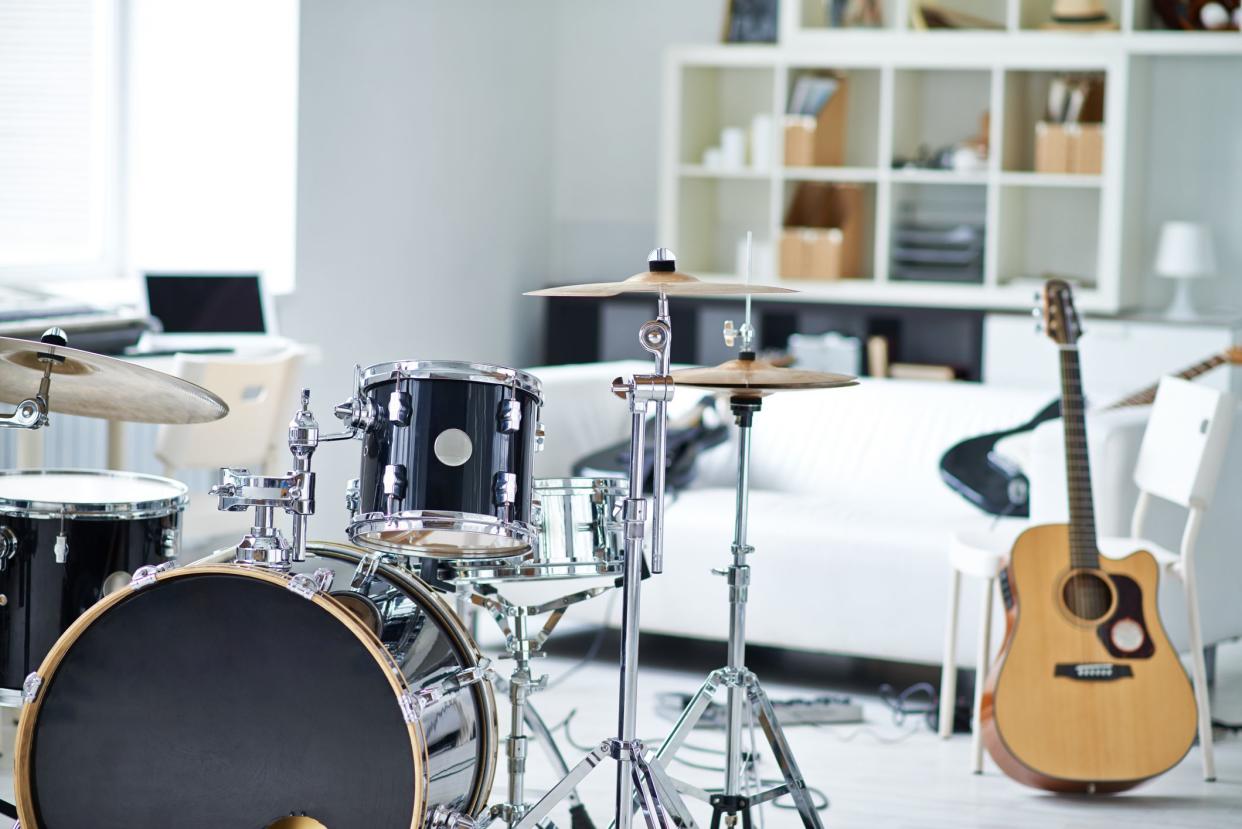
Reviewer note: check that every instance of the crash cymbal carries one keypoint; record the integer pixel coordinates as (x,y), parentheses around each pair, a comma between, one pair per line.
(662,277)
(92,385)
(755,378)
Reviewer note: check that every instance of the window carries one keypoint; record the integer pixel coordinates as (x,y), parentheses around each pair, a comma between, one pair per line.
(58,147)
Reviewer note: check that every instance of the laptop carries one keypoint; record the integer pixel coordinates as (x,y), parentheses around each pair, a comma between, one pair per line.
(207,312)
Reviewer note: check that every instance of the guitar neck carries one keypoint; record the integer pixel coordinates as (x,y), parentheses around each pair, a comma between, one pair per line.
(1083,550)
(1146,396)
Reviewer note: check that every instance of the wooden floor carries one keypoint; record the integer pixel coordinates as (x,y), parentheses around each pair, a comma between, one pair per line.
(880,774)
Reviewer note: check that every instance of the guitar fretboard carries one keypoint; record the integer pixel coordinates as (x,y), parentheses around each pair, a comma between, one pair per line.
(1083,552)
(1145,397)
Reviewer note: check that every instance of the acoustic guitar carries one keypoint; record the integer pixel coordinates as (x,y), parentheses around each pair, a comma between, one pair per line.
(1088,695)
(973,469)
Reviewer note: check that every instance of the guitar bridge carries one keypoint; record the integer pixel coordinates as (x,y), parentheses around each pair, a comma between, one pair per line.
(1093,671)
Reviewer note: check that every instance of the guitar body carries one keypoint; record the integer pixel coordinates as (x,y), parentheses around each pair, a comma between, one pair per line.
(1087,694)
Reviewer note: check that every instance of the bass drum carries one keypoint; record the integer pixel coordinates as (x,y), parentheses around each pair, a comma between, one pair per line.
(219,695)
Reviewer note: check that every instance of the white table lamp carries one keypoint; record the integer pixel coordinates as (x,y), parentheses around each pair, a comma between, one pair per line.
(1185,253)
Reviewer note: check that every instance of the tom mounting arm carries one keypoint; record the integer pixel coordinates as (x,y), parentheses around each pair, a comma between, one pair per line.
(293,493)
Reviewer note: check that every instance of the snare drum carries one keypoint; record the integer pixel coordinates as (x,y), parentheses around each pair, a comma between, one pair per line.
(218,695)
(447,459)
(68,537)
(580,534)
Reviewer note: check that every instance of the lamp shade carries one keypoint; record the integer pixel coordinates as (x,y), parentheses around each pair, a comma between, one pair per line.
(1185,251)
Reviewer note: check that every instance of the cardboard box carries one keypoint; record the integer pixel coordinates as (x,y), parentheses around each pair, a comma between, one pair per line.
(1051,148)
(1086,143)
(819,141)
(799,140)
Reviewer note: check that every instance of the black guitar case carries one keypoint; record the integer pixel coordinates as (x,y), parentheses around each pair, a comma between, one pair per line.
(973,470)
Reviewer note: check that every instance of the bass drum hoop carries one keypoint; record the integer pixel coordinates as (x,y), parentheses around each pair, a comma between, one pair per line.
(366,531)
(47,670)
(465,646)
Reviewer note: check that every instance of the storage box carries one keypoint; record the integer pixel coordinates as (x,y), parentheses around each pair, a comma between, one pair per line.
(823,236)
(1086,144)
(819,141)
(1051,148)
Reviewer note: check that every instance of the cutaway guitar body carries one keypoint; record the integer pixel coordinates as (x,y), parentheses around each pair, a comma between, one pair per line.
(1087,694)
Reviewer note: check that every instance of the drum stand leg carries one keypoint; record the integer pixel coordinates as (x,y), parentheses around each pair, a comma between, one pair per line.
(742,686)
(661,804)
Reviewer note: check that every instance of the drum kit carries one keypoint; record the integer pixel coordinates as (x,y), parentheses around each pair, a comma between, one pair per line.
(291,684)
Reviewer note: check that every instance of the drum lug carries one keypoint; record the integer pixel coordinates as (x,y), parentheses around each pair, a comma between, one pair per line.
(171,539)
(307,586)
(399,408)
(504,488)
(365,571)
(8,547)
(394,481)
(414,703)
(146,575)
(60,549)
(30,688)
(540,437)
(509,417)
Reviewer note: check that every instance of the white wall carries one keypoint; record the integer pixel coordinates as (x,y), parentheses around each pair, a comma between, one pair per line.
(424,192)
(609,65)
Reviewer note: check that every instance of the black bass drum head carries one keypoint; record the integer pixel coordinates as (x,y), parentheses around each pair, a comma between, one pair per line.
(217,697)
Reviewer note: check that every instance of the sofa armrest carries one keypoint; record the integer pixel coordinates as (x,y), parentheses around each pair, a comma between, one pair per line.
(1113,440)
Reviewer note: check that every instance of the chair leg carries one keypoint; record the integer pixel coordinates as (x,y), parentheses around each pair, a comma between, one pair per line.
(1199,673)
(948,667)
(982,663)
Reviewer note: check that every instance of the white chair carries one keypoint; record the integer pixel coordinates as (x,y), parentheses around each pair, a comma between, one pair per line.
(1179,461)
(260,393)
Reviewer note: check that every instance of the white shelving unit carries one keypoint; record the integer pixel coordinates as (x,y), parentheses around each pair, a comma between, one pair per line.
(911,88)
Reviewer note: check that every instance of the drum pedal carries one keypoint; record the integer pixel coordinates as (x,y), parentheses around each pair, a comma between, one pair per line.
(823,710)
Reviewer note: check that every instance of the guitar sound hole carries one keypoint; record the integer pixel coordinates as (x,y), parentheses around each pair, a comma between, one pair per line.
(1087,596)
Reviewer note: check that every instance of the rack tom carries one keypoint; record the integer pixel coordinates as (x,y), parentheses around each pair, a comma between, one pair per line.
(67,538)
(447,456)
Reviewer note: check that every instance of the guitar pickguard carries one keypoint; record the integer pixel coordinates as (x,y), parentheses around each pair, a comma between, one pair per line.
(1129,607)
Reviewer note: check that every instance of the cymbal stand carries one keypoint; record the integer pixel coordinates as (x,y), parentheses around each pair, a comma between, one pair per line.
(31,413)
(524,646)
(741,685)
(661,804)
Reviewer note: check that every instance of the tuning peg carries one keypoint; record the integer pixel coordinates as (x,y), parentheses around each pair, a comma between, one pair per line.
(1036,313)
(1039,328)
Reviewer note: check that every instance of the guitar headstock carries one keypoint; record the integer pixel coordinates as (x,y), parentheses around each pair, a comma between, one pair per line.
(1061,322)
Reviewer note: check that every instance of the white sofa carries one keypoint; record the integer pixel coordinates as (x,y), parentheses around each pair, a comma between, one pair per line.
(849,518)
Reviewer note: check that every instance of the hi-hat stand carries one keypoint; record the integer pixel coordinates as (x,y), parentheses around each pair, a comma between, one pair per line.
(741,685)
(661,804)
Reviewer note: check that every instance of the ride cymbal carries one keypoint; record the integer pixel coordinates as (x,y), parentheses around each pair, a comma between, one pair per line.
(662,277)
(751,377)
(92,385)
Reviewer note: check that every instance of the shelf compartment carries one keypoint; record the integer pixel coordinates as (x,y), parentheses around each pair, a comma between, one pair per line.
(1049,231)
(1026,104)
(715,97)
(963,15)
(862,112)
(830,15)
(860,198)
(1035,15)
(938,234)
(937,108)
(713,217)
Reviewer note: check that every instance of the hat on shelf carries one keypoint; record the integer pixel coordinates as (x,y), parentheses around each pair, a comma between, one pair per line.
(1080,15)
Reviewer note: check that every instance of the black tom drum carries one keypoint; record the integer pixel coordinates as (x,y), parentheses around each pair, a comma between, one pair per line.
(67,538)
(447,460)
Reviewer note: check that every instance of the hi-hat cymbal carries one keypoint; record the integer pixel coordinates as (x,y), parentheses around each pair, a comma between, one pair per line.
(756,378)
(663,277)
(92,385)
